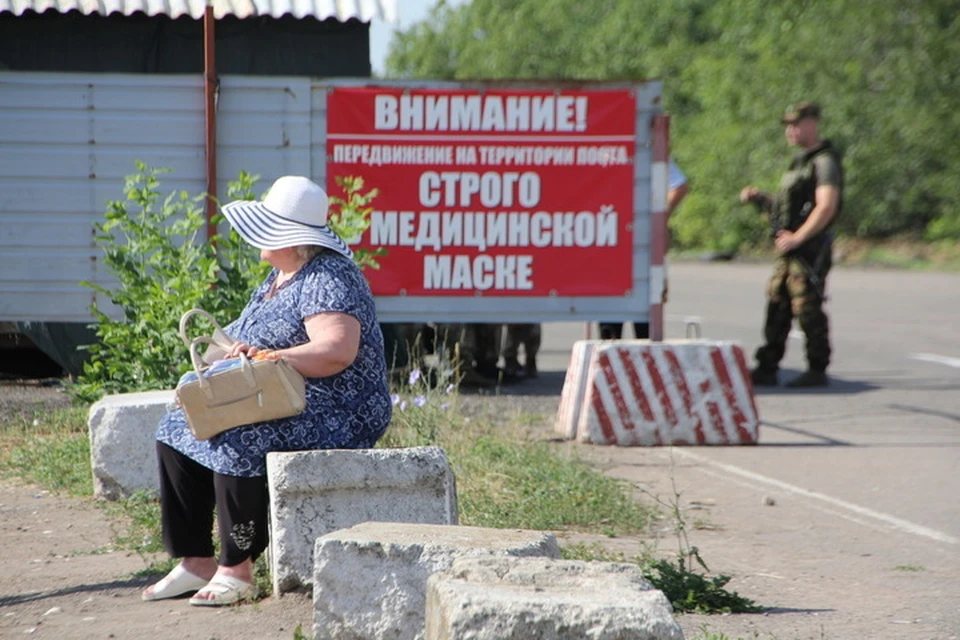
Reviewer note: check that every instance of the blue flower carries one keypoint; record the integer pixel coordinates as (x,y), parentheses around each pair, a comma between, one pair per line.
(403,406)
(450,388)
(420,401)
(414,376)
(395,399)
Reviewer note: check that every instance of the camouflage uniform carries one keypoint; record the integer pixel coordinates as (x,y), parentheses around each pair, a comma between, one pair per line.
(527,335)
(796,288)
(791,294)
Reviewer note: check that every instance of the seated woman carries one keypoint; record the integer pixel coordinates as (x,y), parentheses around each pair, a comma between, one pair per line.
(314,309)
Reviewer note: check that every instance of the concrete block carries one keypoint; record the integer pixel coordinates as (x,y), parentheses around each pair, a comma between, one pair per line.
(522,598)
(574,387)
(123,429)
(315,492)
(370,580)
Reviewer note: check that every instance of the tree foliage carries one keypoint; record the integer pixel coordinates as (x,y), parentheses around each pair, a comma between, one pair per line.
(885,73)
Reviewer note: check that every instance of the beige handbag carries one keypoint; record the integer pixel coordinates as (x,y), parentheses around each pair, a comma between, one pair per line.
(221,394)
(220,342)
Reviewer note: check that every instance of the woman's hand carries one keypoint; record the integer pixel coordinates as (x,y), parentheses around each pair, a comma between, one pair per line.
(237,348)
(254,353)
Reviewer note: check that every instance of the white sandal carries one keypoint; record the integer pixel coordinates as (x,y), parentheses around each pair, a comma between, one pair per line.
(176,583)
(226,590)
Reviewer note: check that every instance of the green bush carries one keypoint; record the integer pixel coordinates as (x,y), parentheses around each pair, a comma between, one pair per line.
(156,251)
(163,265)
(945,227)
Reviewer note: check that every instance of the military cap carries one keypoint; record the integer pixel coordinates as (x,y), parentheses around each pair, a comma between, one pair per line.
(801,110)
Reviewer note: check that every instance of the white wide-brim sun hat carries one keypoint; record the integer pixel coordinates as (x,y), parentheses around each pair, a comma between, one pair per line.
(293,213)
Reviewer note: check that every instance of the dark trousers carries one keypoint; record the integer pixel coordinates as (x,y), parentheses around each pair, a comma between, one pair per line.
(189,492)
(792,293)
(527,335)
(614,330)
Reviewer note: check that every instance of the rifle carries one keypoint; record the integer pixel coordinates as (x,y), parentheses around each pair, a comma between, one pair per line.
(812,272)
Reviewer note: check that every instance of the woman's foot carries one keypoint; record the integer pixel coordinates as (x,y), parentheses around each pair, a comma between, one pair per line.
(188,576)
(228,585)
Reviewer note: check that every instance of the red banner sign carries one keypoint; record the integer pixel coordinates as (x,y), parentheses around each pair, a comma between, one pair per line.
(494,192)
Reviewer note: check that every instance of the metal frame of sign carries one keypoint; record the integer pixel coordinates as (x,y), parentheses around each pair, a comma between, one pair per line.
(641,302)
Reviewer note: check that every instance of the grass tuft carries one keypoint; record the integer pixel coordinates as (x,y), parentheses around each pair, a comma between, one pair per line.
(909,567)
(515,484)
(50,449)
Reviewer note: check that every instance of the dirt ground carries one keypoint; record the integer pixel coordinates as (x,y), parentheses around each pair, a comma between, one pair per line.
(60,578)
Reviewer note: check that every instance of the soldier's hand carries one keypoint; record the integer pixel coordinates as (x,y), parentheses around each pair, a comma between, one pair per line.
(748,194)
(786,241)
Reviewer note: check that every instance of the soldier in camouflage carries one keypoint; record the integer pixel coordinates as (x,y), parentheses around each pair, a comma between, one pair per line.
(801,213)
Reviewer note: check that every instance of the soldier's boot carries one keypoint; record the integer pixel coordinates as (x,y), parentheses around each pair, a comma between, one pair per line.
(809,379)
(470,377)
(761,377)
(815,325)
(530,367)
(512,368)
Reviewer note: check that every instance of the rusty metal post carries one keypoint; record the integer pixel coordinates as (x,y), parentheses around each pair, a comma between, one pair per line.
(210,122)
(658,222)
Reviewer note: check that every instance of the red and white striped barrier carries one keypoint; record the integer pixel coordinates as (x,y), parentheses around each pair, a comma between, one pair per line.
(684,392)
(574,386)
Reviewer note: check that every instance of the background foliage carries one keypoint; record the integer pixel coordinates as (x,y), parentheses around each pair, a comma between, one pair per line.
(885,73)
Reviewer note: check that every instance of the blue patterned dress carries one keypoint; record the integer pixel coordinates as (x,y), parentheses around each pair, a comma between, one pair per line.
(349,410)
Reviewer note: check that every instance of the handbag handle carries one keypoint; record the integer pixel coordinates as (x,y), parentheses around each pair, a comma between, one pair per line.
(199,367)
(220,337)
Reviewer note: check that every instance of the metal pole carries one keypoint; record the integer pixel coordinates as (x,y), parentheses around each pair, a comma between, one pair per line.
(210,123)
(658,222)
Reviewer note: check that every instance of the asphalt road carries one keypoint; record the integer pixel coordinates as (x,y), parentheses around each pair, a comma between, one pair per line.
(865,473)
(884,437)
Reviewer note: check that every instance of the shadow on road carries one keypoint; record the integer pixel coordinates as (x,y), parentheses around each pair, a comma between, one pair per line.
(819,440)
(548,383)
(838,386)
(925,411)
(776,610)
(99,587)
